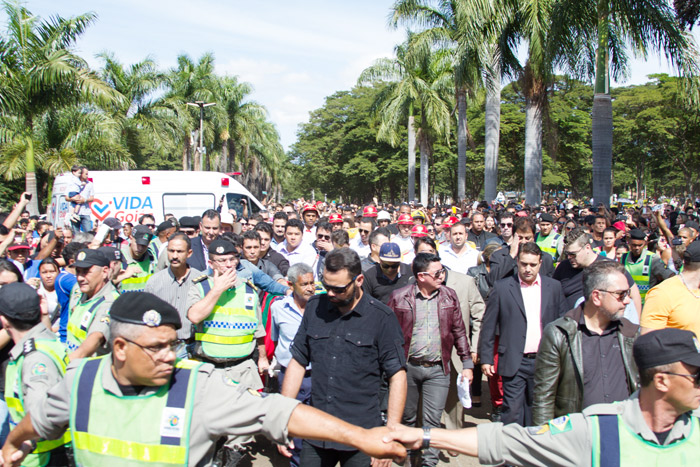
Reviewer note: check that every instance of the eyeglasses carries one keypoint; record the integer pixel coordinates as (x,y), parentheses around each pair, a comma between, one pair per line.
(436,274)
(159,351)
(323,237)
(363,231)
(621,295)
(389,265)
(695,377)
(572,254)
(338,289)
(224,261)
(506,224)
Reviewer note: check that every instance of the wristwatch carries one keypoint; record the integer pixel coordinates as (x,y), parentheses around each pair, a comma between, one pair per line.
(426,437)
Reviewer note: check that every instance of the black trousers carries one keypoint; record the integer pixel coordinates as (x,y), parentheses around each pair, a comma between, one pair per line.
(518,393)
(312,456)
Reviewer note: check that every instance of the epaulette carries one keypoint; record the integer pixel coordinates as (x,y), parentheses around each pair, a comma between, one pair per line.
(199,279)
(250,283)
(29,347)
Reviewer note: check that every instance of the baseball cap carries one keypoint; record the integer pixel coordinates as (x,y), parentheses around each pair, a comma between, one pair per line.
(87,258)
(692,253)
(620,225)
(419,230)
(112,223)
(369,211)
(227,218)
(405,219)
(664,346)
(144,309)
(390,252)
(142,235)
(383,216)
(110,252)
(335,218)
(19,301)
(19,246)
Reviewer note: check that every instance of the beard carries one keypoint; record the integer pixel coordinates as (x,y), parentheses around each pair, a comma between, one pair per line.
(340,303)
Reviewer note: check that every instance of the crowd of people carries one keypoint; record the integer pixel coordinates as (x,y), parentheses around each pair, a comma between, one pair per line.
(580,319)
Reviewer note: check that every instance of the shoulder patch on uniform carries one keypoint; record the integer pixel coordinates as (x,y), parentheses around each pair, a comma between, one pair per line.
(29,346)
(199,279)
(560,425)
(38,369)
(538,430)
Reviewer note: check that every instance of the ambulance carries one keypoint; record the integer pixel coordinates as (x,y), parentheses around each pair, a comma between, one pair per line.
(128,195)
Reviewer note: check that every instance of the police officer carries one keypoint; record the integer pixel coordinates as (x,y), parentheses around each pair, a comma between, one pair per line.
(646,268)
(140,264)
(549,241)
(88,325)
(139,405)
(656,426)
(37,362)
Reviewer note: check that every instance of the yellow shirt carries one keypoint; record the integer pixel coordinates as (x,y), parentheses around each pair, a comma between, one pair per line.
(671,305)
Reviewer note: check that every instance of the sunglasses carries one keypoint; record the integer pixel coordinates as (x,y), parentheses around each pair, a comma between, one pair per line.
(620,295)
(336,289)
(363,230)
(389,265)
(323,237)
(505,224)
(695,377)
(436,275)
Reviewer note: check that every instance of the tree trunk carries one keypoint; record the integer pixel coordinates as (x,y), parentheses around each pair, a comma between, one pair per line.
(533,152)
(492,130)
(30,179)
(411,158)
(461,143)
(425,150)
(602,148)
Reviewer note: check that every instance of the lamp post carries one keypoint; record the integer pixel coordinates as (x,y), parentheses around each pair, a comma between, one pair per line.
(201,105)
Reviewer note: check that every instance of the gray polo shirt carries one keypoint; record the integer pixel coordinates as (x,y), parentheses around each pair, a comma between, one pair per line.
(167,287)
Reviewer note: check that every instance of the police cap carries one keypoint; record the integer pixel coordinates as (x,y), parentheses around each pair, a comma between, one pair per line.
(222,247)
(144,309)
(19,301)
(87,258)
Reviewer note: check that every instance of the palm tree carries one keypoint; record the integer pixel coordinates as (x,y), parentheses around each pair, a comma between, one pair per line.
(596,35)
(415,80)
(41,73)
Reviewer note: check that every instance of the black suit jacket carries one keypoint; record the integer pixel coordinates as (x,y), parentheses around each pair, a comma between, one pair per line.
(197,260)
(505,310)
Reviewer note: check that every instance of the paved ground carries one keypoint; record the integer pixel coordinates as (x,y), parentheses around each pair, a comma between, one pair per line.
(264,453)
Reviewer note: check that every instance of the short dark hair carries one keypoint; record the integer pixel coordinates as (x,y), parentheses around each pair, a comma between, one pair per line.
(340,237)
(646,375)
(295,223)
(211,214)
(256,217)
(250,235)
(181,236)
(344,258)
(505,215)
(146,216)
(377,232)
(424,240)
(264,227)
(422,262)
(280,215)
(234,238)
(524,223)
(324,226)
(598,274)
(50,261)
(71,250)
(530,248)
(7,265)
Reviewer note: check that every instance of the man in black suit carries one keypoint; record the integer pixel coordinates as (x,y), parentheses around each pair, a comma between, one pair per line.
(519,306)
(209,228)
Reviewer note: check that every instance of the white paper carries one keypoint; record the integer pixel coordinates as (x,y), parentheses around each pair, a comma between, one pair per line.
(463,392)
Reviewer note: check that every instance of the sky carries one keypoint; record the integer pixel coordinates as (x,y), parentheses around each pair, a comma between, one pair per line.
(294,53)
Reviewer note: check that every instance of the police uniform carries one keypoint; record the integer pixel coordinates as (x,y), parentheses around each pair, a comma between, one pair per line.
(142,236)
(172,424)
(89,315)
(37,362)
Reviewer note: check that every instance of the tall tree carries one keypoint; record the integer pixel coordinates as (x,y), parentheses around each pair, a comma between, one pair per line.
(40,72)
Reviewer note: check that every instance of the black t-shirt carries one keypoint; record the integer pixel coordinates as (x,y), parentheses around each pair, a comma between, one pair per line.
(380,287)
(571,280)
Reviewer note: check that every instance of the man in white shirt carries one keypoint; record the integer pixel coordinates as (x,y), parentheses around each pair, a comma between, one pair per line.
(293,248)
(403,238)
(361,242)
(459,255)
(310,215)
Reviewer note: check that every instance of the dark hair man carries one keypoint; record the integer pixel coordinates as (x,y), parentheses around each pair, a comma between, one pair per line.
(268,253)
(209,230)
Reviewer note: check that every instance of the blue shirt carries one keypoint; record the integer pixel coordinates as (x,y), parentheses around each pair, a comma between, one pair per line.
(247,271)
(286,318)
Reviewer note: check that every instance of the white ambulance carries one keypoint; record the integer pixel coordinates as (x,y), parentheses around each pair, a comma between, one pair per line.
(129,194)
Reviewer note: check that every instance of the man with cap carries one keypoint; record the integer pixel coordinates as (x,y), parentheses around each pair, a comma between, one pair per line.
(115,261)
(549,241)
(370,212)
(656,426)
(646,269)
(336,222)
(88,325)
(37,362)
(403,238)
(19,255)
(377,238)
(675,302)
(139,264)
(309,213)
(163,231)
(140,404)
(189,225)
(388,274)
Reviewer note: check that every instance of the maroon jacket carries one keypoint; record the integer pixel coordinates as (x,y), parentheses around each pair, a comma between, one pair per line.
(452,329)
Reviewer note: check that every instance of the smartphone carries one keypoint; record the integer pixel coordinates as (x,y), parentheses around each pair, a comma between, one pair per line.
(28,196)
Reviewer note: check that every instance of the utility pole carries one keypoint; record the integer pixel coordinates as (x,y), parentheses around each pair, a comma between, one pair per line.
(201,105)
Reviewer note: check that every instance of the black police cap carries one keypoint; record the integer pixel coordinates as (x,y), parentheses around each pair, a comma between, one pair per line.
(665,346)
(144,309)
(546,217)
(637,234)
(19,301)
(692,253)
(222,247)
(87,258)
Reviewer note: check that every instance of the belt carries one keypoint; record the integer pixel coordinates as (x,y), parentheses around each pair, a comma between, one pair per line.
(307,373)
(415,361)
(225,364)
(532,355)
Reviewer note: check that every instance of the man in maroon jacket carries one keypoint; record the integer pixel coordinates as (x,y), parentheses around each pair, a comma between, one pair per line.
(431,321)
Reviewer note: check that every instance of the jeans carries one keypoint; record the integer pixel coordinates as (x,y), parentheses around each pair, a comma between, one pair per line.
(4,420)
(312,456)
(84,225)
(433,384)
(304,396)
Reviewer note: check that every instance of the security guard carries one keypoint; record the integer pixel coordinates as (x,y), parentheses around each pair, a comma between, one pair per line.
(141,406)
(658,425)
(88,325)
(550,242)
(645,267)
(228,322)
(37,362)
(140,264)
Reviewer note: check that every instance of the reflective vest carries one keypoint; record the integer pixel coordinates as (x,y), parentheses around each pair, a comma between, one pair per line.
(640,270)
(15,398)
(81,317)
(549,244)
(616,445)
(138,282)
(228,332)
(152,430)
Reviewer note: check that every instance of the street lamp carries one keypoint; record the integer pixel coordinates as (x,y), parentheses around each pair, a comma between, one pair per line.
(201,105)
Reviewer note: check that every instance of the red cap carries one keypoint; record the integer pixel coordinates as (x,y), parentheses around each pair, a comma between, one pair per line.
(619,225)
(309,207)
(335,218)
(369,211)
(405,219)
(419,230)
(521,214)
(450,221)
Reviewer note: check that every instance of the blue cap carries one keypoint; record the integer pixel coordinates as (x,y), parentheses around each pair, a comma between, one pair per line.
(390,252)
